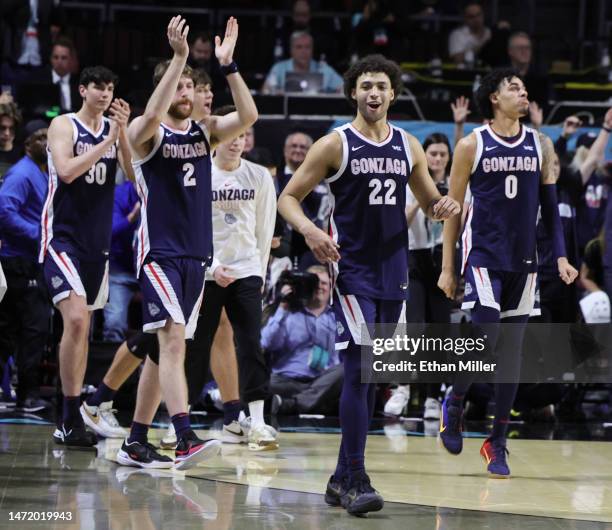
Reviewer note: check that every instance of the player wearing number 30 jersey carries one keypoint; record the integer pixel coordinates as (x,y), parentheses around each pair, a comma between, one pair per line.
(84,149)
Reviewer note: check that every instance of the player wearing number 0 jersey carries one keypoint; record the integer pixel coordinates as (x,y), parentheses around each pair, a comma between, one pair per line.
(367,165)
(509,168)
(84,149)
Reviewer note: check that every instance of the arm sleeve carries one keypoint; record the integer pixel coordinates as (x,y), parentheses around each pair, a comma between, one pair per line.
(265,218)
(274,332)
(13,196)
(551,219)
(561,146)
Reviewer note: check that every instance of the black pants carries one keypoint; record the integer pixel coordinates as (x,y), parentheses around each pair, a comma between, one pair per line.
(242,302)
(319,396)
(426,301)
(24,322)
(558,301)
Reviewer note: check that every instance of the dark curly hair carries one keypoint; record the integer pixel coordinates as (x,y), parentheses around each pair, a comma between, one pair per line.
(98,74)
(489,84)
(372,64)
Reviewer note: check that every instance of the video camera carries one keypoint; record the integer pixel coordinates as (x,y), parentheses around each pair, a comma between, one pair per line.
(303,285)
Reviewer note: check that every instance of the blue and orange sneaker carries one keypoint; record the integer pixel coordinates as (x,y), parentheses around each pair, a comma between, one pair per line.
(451,420)
(494,452)
(190,451)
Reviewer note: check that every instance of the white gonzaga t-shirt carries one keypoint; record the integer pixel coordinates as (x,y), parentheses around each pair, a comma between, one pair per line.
(243,215)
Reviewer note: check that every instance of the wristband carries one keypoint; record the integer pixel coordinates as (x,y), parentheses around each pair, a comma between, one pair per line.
(607,129)
(231,68)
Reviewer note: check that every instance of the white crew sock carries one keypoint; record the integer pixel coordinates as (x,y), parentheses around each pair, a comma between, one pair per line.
(256,410)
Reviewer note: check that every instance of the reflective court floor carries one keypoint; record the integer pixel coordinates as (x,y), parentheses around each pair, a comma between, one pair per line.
(560,484)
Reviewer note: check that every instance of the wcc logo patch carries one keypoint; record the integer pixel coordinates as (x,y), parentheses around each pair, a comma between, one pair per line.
(153,309)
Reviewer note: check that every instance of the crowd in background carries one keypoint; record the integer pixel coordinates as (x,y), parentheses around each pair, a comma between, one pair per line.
(40,72)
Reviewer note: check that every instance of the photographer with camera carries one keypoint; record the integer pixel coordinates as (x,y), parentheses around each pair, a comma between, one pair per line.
(300,339)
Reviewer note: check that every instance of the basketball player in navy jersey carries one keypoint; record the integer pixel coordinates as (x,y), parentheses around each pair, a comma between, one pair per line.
(173,178)
(76,228)
(509,168)
(367,164)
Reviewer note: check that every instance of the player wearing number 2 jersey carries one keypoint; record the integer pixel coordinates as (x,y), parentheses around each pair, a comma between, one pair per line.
(367,164)
(84,149)
(509,168)
(173,178)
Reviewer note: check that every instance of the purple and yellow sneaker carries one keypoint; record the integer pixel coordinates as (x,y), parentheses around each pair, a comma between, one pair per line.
(451,419)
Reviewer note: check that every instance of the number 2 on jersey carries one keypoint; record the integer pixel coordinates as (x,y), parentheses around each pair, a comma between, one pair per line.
(188,178)
(376,195)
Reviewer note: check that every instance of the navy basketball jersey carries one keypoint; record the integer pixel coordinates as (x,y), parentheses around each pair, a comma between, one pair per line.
(500,230)
(368,195)
(174,185)
(80,214)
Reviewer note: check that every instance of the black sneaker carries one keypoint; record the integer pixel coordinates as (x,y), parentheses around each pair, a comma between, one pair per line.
(32,404)
(334,491)
(142,455)
(76,436)
(361,497)
(190,451)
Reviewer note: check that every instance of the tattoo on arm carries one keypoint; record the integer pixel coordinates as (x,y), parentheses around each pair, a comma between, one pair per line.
(548,159)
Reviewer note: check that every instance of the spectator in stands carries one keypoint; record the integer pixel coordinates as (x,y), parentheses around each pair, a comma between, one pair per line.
(258,155)
(301,61)
(591,270)
(25,309)
(520,57)
(465,42)
(306,372)
(201,56)
(58,84)
(297,145)
(316,204)
(10,119)
(377,29)
(590,211)
(122,275)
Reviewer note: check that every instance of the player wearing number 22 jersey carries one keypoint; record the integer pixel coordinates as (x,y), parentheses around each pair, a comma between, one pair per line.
(76,222)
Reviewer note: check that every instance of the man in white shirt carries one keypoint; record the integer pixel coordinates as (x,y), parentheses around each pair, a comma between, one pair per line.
(465,42)
(244,213)
(61,67)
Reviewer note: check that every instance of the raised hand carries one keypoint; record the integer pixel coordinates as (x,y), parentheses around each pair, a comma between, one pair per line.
(120,112)
(570,126)
(224,51)
(461,109)
(177,36)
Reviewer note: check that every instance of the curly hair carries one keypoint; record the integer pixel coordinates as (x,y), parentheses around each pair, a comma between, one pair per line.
(490,84)
(372,64)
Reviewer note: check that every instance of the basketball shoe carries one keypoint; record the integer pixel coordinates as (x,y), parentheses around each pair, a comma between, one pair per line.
(450,427)
(102,421)
(494,453)
(360,497)
(145,455)
(190,451)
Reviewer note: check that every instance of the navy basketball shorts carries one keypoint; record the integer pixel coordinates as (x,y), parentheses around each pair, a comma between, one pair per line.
(513,294)
(172,288)
(65,272)
(354,311)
